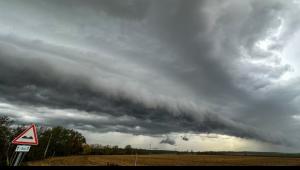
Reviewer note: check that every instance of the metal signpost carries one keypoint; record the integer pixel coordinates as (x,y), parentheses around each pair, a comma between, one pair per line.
(24,142)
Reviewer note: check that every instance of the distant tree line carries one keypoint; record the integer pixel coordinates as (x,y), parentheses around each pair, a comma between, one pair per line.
(97,149)
(59,141)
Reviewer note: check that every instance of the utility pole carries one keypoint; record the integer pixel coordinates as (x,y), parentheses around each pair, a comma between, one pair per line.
(46,150)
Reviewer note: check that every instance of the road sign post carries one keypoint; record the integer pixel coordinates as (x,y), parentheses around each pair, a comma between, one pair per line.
(18,160)
(24,142)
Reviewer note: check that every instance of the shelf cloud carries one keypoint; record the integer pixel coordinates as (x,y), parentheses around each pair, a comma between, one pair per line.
(147,67)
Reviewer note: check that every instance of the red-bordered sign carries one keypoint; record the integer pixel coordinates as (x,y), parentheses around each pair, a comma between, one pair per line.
(28,137)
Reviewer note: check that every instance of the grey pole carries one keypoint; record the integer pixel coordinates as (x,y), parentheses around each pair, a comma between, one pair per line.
(18,160)
(23,156)
(12,158)
(45,153)
(7,155)
(135,163)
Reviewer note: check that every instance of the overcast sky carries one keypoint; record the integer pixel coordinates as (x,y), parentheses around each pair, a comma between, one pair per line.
(171,74)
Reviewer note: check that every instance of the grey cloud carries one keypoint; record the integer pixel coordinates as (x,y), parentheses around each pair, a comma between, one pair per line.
(184,138)
(140,65)
(169,141)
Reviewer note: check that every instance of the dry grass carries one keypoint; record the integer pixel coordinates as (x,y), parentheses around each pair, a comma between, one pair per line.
(166,160)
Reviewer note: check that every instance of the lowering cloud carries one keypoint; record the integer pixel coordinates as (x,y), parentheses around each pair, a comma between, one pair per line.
(168,140)
(132,66)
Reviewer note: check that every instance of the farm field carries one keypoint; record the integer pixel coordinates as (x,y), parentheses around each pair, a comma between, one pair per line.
(167,160)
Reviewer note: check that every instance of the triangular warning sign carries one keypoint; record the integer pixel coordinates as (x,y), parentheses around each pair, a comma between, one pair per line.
(28,137)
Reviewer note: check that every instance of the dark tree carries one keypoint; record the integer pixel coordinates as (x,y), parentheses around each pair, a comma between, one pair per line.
(5,137)
(128,149)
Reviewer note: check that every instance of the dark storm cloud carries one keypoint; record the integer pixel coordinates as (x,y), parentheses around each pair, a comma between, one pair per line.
(169,141)
(184,138)
(42,85)
(150,67)
(179,29)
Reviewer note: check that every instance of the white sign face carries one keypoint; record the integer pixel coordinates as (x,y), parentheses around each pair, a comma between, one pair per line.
(23,148)
(28,137)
